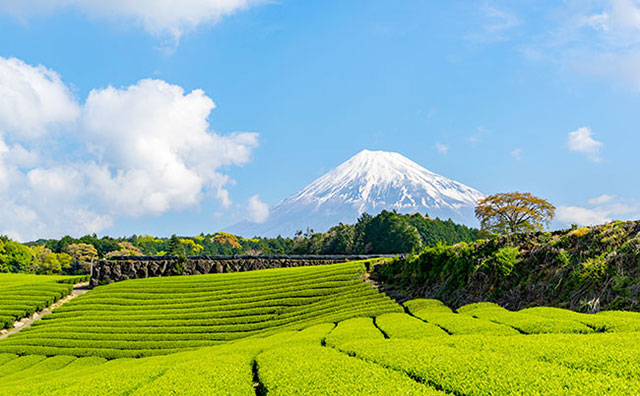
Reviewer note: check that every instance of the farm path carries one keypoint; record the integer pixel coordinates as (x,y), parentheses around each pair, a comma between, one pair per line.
(78,290)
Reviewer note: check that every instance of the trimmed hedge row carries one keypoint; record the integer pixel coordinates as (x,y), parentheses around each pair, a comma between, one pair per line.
(401,325)
(221,370)
(23,295)
(605,321)
(527,324)
(469,371)
(434,311)
(324,371)
(145,317)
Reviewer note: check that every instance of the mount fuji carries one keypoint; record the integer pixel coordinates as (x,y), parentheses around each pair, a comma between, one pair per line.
(370,181)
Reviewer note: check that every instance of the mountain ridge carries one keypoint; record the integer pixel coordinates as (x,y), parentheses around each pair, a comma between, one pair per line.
(370,181)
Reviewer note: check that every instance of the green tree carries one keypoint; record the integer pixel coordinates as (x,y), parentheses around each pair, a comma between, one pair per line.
(82,254)
(339,239)
(126,249)
(190,247)
(14,256)
(388,233)
(176,248)
(48,262)
(512,213)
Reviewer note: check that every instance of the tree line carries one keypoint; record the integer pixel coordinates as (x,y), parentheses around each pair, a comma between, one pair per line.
(386,233)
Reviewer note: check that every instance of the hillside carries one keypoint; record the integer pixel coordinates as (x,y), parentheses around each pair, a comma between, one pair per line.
(368,182)
(392,354)
(585,269)
(21,295)
(153,316)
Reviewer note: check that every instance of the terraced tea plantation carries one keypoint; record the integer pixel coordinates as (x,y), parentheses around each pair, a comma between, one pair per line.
(145,317)
(312,331)
(22,295)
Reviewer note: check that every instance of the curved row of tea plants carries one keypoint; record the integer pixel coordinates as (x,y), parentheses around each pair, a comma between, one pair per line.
(545,364)
(491,319)
(289,362)
(22,295)
(145,317)
(434,311)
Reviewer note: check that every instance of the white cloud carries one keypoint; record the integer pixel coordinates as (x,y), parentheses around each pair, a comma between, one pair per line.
(516,154)
(619,17)
(257,211)
(603,209)
(442,148)
(604,198)
(172,17)
(581,216)
(582,141)
(146,149)
(32,99)
(156,152)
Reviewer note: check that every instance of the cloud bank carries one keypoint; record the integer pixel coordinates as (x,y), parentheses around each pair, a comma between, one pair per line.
(600,210)
(146,149)
(159,17)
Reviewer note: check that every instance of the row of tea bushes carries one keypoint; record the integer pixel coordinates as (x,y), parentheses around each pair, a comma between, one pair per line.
(456,365)
(21,295)
(352,358)
(491,319)
(145,317)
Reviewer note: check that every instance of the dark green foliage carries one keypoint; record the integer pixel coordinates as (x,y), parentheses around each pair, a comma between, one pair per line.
(386,233)
(175,247)
(434,231)
(14,257)
(587,269)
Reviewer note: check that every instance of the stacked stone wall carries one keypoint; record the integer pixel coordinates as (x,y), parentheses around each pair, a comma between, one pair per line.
(122,268)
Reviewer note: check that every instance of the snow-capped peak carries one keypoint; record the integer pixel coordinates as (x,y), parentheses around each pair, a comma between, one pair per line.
(374,178)
(370,181)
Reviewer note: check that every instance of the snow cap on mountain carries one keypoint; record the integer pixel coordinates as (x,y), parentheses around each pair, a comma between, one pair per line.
(370,181)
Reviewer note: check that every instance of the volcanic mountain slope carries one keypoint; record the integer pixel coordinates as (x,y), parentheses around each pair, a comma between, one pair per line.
(370,181)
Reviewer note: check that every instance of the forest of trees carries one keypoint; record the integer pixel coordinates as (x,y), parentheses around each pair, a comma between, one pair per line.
(387,232)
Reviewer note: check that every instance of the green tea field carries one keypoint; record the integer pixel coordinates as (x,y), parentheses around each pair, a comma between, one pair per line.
(319,330)
(21,295)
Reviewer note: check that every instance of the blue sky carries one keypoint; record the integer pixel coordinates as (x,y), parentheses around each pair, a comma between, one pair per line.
(107,123)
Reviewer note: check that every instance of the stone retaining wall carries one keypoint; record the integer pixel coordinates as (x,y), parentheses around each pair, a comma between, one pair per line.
(130,267)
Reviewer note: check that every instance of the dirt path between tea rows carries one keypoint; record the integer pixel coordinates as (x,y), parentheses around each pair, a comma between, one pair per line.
(78,289)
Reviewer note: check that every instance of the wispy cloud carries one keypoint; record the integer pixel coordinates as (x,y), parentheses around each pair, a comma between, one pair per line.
(480,133)
(598,38)
(442,148)
(604,198)
(516,154)
(582,141)
(494,24)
